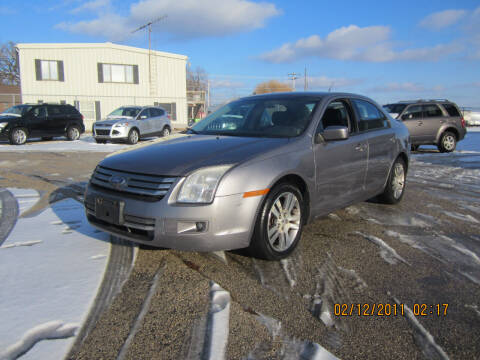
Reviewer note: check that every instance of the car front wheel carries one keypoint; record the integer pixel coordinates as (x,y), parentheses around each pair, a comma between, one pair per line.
(73,133)
(448,142)
(279,225)
(166,131)
(395,187)
(133,137)
(18,136)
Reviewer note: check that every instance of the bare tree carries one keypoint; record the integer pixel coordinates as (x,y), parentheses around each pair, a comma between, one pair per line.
(271,86)
(9,69)
(197,79)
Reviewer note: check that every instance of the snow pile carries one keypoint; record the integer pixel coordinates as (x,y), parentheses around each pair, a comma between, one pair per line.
(218,323)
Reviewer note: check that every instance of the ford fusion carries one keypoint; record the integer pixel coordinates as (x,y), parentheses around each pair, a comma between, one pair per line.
(252,174)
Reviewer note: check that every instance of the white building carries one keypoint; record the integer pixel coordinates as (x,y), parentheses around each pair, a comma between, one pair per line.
(97,78)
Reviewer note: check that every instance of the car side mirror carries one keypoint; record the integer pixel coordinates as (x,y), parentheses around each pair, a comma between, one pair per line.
(333,133)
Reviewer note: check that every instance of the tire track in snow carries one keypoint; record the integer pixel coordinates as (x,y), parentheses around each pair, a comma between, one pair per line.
(8,215)
(47,331)
(120,263)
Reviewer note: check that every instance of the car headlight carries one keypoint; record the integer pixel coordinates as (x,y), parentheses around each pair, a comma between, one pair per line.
(123,124)
(200,186)
(3,124)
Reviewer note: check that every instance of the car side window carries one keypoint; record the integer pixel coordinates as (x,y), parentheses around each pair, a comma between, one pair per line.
(145,114)
(431,110)
(413,112)
(39,111)
(369,116)
(54,110)
(338,113)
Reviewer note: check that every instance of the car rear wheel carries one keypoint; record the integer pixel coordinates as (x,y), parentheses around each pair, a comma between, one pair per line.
(133,137)
(73,133)
(279,225)
(395,187)
(448,142)
(166,131)
(18,136)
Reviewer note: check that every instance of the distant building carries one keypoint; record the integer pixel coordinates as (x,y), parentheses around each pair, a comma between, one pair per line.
(97,78)
(9,96)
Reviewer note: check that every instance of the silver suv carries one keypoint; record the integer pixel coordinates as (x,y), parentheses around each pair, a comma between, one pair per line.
(252,174)
(130,123)
(430,122)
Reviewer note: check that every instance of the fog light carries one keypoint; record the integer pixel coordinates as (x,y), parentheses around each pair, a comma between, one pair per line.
(201,226)
(191,227)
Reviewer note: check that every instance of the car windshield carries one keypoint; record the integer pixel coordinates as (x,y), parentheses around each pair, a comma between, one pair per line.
(395,108)
(125,111)
(260,117)
(17,110)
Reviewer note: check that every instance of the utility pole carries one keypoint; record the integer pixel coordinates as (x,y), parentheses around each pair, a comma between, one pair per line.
(293,77)
(148,26)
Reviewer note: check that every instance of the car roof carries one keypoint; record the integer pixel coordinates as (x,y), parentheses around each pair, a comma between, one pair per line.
(302,94)
(423,101)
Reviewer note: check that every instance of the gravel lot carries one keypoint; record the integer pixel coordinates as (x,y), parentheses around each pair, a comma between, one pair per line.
(425,251)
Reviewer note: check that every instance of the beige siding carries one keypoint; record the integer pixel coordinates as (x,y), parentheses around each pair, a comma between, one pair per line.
(81,76)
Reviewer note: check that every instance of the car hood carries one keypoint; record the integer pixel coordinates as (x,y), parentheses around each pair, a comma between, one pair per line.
(180,156)
(112,121)
(7,118)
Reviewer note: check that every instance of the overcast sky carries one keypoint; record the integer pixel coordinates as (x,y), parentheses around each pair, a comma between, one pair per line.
(387,50)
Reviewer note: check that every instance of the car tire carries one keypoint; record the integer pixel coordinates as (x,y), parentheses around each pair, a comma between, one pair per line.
(166,131)
(100,141)
(133,137)
(448,142)
(18,136)
(395,187)
(279,226)
(73,133)
(47,138)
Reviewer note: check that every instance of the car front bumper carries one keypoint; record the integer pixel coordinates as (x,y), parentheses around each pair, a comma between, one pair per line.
(110,132)
(228,221)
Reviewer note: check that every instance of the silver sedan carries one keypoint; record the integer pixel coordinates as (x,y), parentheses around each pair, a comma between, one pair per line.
(252,174)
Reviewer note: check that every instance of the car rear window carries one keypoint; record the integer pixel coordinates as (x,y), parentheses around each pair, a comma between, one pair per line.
(394,108)
(451,109)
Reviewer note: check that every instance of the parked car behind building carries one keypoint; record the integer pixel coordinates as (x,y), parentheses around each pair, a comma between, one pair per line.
(21,122)
(430,122)
(252,174)
(130,123)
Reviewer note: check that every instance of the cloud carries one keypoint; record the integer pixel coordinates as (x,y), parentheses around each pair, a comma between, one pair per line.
(185,19)
(406,87)
(91,6)
(226,84)
(369,44)
(319,82)
(442,19)
(109,26)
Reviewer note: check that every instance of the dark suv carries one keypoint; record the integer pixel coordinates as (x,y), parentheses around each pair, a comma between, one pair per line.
(21,122)
(430,122)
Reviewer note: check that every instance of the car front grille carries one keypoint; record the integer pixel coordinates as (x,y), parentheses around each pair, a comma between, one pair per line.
(128,183)
(102,132)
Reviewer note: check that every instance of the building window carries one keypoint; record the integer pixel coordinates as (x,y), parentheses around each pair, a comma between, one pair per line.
(117,73)
(49,70)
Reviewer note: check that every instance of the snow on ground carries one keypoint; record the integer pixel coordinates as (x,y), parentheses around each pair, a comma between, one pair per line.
(49,279)
(85,143)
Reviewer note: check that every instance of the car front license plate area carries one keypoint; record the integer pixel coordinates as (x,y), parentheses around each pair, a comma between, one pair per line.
(110,211)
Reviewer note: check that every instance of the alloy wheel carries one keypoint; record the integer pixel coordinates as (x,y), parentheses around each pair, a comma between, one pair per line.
(398,181)
(283,221)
